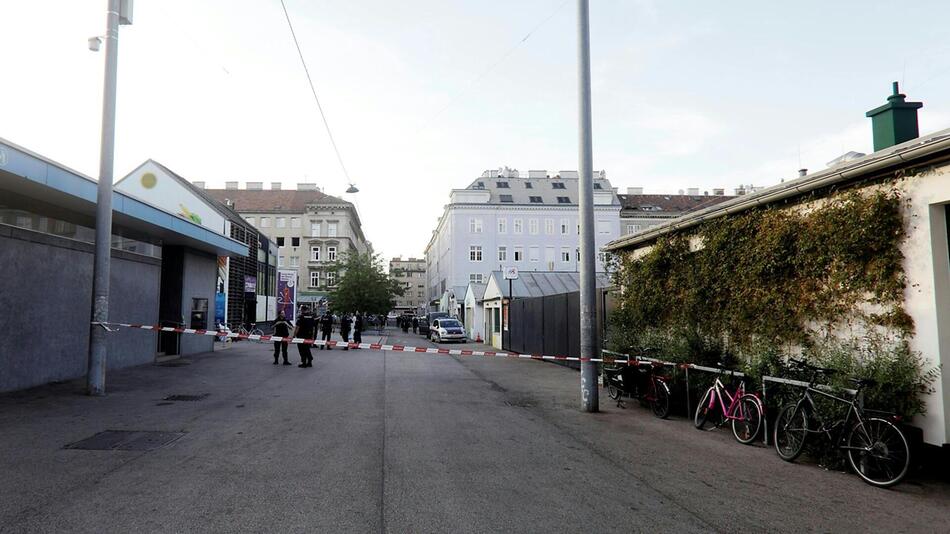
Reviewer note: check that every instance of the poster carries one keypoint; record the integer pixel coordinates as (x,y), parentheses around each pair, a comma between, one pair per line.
(250,284)
(287,293)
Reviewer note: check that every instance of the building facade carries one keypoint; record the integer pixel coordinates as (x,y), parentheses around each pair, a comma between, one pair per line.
(504,219)
(411,275)
(312,230)
(640,212)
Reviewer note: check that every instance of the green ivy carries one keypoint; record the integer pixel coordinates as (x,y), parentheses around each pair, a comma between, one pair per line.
(744,289)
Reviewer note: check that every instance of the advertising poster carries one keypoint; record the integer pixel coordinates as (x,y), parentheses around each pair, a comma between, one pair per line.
(221,292)
(250,284)
(287,293)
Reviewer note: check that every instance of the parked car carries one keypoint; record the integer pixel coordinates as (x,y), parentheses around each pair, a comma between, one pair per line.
(445,329)
(423,325)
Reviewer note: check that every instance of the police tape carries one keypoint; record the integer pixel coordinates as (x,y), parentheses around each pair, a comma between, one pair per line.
(371,346)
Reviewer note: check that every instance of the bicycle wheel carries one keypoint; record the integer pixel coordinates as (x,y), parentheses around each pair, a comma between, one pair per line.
(257,332)
(661,402)
(878,452)
(703,409)
(791,429)
(748,419)
(614,392)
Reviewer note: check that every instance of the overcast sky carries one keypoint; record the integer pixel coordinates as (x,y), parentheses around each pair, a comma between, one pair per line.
(686,94)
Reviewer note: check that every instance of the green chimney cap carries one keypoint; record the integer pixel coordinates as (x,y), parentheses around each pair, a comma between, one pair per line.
(894,122)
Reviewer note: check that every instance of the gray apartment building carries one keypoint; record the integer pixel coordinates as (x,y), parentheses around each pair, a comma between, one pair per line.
(411,275)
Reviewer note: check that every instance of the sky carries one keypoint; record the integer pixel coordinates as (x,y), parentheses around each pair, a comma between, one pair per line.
(424,95)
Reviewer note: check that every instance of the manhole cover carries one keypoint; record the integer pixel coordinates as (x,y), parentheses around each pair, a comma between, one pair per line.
(190,398)
(126,440)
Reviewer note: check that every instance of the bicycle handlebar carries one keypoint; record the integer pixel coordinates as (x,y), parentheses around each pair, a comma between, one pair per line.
(805,365)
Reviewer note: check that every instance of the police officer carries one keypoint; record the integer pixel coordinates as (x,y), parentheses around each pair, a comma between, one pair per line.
(307,329)
(326,326)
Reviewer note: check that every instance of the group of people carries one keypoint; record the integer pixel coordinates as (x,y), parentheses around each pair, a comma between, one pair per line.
(405,322)
(306,328)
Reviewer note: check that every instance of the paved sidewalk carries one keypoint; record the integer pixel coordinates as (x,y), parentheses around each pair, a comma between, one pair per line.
(367,441)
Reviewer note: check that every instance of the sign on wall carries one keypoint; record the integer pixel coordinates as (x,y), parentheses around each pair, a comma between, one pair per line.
(250,284)
(287,293)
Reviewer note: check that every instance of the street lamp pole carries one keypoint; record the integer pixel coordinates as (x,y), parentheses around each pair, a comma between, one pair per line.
(96,370)
(585,186)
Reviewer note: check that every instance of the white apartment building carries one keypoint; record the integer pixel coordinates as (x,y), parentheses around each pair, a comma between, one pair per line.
(504,218)
(312,230)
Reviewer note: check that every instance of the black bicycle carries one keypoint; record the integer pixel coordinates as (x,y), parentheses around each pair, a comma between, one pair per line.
(876,448)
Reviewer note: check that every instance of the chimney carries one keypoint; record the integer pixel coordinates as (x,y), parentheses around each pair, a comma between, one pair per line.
(802,172)
(230,185)
(306,186)
(719,192)
(740,191)
(894,122)
(275,186)
(254,186)
(634,190)
(199,185)
(693,191)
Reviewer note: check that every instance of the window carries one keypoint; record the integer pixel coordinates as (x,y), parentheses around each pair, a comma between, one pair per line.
(502,253)
(295,241)
(280,222)
(564,224)
(501,185)
(295,222)
(314,278)
(577,252)
(519,253)
(331,254)
(331,278)
(280,241)
(314,253)
(528,185)
(331,229)
(598,185)
(557,185)
(475,253)
(265,222)
(280,261)
(419,294)
(506,198)
(475,278)
(535,200)
(518,226)
(603,227)
(250,220)
(633,228)
(533,226)
(475,225)
(601,257)
(549,226)
(295,261)
(502,226)
(563,200)
(534,254)
(565,255)
(315,229)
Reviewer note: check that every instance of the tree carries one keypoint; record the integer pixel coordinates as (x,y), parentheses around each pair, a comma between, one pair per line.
(363,286)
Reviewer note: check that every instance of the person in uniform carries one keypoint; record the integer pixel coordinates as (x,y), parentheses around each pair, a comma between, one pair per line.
(358,328)
(282,328)
(326,327)
(307,329)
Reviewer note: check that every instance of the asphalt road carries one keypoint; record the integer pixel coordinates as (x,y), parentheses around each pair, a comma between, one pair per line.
(367,441)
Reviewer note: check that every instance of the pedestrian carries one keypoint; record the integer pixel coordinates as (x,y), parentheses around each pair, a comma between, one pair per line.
(282,328)
(307,329)
(358,328)
(415,325)
(345,323)
(326,326)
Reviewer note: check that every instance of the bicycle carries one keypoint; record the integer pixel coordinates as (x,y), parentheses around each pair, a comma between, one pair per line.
(626,380)
(244,332)
(876,448)
(745,411)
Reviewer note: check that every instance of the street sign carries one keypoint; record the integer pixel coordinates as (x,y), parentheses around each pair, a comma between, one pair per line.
(511,273)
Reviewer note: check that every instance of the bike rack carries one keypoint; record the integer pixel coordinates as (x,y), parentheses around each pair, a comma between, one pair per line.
(790,382)
(717,370)
(638,359)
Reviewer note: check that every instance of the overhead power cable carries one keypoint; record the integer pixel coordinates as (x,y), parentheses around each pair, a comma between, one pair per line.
(315,97)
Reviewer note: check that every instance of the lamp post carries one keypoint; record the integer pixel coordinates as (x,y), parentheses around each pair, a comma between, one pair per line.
(119,12)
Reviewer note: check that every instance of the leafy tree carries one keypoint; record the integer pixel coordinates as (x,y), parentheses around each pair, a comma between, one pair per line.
(363,286)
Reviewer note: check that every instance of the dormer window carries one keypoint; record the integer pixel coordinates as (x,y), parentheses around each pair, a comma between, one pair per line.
(598,185)
(501,185)
(563,200)
(535,200)
(557,185)
(479,185)
(505,198)
(528,185)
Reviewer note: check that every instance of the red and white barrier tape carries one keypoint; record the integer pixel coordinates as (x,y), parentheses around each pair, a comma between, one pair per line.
(371,346)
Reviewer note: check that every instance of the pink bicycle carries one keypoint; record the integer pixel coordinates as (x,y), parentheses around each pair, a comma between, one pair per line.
(744,410)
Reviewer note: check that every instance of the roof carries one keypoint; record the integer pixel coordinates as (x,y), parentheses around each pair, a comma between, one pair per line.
(29,174)
(904,155)
(540,284)
(539,187)
(668,203)
(273,201)
(478,290)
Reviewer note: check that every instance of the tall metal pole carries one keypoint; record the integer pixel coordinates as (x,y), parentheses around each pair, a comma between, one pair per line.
(96,371)
(585,185)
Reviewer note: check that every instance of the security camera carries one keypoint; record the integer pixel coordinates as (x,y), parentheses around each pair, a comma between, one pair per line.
(94,43)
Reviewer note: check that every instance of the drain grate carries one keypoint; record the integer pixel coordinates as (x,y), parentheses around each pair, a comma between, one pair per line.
(126,440)
(190,398)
